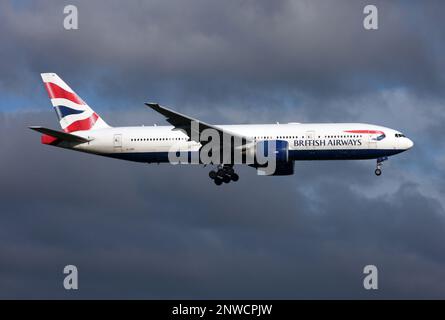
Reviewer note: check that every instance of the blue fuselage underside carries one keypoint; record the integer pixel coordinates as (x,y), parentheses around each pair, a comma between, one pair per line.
(358,154)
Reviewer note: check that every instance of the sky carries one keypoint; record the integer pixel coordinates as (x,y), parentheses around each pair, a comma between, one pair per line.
(167,232)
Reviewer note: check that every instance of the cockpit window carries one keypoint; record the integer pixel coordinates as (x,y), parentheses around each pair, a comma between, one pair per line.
(400,135)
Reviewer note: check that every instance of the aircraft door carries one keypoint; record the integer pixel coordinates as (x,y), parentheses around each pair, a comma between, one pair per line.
(117,142)
(310,146)
(372,144)
(310,135)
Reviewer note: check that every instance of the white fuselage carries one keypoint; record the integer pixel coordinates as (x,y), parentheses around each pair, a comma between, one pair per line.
(314,141)
(271,149)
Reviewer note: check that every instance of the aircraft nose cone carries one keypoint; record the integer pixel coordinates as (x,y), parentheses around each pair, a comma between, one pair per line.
(409,143)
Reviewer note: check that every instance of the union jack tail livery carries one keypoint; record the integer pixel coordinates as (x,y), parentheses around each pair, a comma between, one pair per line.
(73,113)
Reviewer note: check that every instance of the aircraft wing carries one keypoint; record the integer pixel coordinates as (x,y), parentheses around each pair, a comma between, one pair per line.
(183,122)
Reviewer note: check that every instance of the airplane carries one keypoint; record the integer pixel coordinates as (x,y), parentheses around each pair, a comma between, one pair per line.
(84,130)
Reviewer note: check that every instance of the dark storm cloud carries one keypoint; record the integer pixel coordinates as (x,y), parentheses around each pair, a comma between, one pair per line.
(203,50)
(149,231)
(143,231)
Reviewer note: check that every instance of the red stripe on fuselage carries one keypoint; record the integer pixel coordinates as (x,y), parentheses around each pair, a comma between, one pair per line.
(85,124)
(365,131)
(56,92)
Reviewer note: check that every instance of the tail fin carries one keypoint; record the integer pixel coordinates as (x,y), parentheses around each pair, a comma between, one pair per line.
(73,113)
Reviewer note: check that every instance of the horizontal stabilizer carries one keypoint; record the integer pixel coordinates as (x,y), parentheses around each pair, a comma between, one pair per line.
(60,135)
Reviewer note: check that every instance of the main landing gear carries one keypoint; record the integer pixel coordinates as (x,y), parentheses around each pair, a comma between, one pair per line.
(224,174)
(378,170)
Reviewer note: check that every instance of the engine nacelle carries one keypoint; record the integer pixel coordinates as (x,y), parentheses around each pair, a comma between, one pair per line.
(271,157)
(272,149)
(281,169)
(260,152)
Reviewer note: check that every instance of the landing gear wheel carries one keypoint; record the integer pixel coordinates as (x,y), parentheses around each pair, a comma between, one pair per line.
(229,170)
(223,174)
(212,174)
(378,170)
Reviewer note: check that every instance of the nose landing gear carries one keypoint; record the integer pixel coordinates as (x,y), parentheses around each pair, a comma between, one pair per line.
(378,170)
(224,174)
